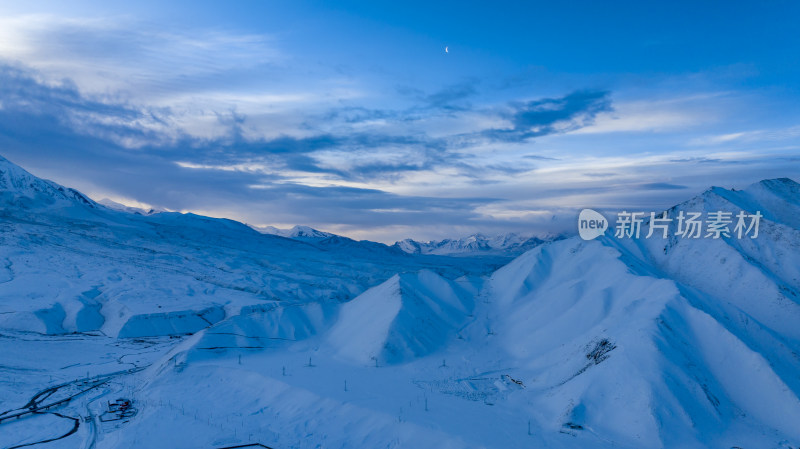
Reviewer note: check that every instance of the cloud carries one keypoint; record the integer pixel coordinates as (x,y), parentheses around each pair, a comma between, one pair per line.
(727,160)
(538,118)
(119,54)
(449,98)
(660,186)
(64,107)
(539,157)
(748,137)
(657,115)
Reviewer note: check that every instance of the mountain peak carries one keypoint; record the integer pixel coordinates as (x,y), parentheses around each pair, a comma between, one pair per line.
(408,316)
(781,186)
(19,187)
(296,232)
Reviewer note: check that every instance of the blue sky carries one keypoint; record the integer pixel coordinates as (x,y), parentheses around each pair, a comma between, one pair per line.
(352,118)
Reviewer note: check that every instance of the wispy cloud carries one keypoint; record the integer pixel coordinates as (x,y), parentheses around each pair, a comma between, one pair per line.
(657,115)
(538,118)
(118,54)
(749,136)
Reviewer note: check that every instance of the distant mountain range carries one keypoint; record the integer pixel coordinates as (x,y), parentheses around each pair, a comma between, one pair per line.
(508,244)
(297,232)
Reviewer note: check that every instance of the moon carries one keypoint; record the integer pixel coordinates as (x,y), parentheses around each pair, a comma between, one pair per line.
(445,50)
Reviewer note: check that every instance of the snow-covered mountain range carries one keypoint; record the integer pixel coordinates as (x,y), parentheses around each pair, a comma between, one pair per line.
(70,257)
(502,245)
(238,337)
(508,243)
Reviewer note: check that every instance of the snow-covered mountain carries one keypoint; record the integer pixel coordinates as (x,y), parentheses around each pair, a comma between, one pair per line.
(509,243)
(20,189)
(406,317)
(216,335)
(296,232)
(111,204)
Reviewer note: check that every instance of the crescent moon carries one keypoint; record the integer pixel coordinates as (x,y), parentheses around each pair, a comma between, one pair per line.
(445,50)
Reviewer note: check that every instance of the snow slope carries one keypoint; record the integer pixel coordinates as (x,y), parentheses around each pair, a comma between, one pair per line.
(621,353)
(406,317)
(20,189)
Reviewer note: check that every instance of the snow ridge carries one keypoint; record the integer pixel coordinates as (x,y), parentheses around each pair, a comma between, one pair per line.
(21,189)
